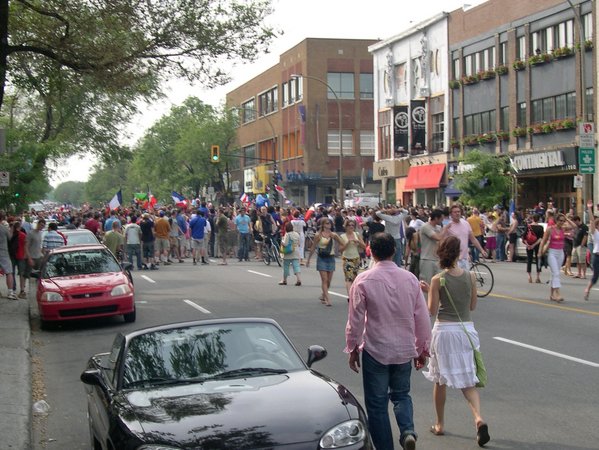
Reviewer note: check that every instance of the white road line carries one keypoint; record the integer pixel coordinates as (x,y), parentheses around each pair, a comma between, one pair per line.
(196,306)
(337,295)
(549,352)
(140,301)
(147,278)
(260,273)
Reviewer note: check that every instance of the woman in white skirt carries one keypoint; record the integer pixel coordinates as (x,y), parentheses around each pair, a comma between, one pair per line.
(451,360)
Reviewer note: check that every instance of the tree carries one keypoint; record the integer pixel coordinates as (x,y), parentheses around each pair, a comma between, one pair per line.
(486,182)
(69,192)
(127,43)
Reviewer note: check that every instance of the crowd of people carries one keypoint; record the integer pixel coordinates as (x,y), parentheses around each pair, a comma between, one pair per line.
(391,257)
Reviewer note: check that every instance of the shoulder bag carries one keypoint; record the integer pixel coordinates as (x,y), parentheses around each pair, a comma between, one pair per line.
(324,252)
(481,371)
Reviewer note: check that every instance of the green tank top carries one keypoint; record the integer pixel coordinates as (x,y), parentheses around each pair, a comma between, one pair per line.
(460,288)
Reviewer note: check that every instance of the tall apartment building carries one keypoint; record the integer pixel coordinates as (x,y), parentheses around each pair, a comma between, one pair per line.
(517,71)
(306,119)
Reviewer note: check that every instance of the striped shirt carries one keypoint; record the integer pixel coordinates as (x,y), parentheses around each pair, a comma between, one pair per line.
(52,240)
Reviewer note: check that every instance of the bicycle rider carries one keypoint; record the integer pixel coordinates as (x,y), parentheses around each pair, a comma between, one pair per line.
(460,228)
(269,226)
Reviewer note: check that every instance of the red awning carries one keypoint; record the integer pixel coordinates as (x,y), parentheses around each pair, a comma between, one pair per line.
(425,177)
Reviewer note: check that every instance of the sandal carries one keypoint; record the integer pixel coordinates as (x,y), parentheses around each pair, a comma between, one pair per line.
(298,283)
(437,432)
(482,434)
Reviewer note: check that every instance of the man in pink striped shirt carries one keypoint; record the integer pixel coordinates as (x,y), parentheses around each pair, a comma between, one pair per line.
(389,322)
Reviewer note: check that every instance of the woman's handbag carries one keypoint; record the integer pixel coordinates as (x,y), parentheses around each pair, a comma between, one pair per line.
(481,370)
(324,252)
(287,249)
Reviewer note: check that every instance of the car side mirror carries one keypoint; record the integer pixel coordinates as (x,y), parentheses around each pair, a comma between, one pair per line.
(315,353)
(93,377)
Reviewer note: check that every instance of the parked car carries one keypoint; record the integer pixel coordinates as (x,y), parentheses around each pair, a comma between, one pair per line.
(82,282)
(217,384)
(80,236)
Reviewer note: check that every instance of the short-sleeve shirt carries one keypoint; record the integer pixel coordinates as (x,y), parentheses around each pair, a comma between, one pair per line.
(162,228)
(52,240)
(428,246)
(243,223)
(132,233)
(146,230)
(462,231)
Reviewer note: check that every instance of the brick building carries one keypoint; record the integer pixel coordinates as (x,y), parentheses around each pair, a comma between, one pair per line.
(289,122)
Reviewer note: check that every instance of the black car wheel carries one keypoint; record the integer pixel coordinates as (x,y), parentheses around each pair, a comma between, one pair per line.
(130,317)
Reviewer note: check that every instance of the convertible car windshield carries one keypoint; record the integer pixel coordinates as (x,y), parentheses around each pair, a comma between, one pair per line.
(81,262)
(203,353)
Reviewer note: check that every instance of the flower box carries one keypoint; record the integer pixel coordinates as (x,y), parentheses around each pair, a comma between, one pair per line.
(501,70)
(563,125)
(486,138)
(519,131)
(470,140)
(469,79)
(454,84)
(502,135)
(541,128)
(486,74)
(588,45)
(454,143)
(519,65)
(562,52)
(542,58)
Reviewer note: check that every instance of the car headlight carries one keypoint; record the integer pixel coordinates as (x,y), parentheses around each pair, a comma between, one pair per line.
(157,447)
(121,289)
(344,434)
(49,296)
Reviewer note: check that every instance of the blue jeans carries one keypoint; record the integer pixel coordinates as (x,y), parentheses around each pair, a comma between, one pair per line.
(381,384)
(134,250)
(398,258)
(500,251)
(244,246)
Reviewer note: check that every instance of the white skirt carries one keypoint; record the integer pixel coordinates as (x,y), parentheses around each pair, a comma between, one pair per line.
(452,360)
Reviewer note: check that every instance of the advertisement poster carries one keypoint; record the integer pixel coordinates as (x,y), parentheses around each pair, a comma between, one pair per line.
(418,126)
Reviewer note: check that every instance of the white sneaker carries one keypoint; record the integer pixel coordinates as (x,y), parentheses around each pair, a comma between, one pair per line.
(12,295)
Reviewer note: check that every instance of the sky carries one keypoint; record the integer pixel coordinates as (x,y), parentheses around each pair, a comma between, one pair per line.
(349,19)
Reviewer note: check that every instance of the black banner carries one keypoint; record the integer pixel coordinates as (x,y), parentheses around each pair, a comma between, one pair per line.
(401,123)
(418,126)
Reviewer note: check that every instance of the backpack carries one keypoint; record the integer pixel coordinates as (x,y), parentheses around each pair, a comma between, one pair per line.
(530,237)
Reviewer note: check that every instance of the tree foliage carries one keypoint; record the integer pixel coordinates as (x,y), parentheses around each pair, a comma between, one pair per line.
(69,192)
(486,182)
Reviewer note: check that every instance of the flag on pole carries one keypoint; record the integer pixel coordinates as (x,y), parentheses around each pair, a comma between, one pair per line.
(179,199)
(280,190)
(244,198)
(116,201)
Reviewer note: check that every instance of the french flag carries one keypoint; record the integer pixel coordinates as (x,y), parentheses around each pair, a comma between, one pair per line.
(178,199)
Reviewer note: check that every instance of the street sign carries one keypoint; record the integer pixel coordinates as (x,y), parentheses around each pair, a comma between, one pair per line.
(578,181)
(4,179)
(586,132)
(586,160)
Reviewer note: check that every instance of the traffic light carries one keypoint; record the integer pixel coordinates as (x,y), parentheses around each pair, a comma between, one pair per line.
(215,154)
(17,194)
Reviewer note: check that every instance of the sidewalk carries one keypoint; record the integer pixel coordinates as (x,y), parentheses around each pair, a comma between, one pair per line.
(15,374)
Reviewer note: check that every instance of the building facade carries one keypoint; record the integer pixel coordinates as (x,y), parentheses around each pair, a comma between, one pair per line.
(307,123)
(412,107)
(522,77)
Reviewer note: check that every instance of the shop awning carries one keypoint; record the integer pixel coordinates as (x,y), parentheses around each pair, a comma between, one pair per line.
(425,177)
(451,190)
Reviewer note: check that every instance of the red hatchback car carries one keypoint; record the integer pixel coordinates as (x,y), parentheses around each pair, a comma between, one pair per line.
(84,281)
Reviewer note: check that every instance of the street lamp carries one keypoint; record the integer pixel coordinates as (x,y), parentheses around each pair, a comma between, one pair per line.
(341,194)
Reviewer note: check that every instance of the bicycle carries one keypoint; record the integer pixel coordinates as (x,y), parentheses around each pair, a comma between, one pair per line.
(270,251)
(484,279)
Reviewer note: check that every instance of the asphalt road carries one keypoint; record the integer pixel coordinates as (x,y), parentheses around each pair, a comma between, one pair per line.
(542,358)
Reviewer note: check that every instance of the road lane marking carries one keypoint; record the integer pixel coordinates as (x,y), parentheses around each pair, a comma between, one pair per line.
(547,305)
(147,278)
(260,273)
(549,352)
(337,294)
(196,306)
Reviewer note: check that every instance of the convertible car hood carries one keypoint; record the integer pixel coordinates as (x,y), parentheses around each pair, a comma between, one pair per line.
(254,412)
(94,281)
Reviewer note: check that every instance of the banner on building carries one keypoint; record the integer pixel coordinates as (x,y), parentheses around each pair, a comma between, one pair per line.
(418,126)
(400,131)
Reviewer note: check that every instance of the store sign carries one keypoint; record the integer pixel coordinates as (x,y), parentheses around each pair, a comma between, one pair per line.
(539,160)
(390,168)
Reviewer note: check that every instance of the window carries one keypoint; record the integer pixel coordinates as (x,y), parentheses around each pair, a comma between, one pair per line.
(488,58)
(456,69)
(285,89)
(480,123)
(468,125)
(468,65)
(299,89)
(249,155)
(438,126)
(366,143)
(521,50)
(248,111)
(292,91)
(521,119)
(268,102)
(504,119)
(333,142)
(456,128)
(366,86)
(589,104)
(503,53)
(342,84)
(385,134)
(587,26)
(553,108)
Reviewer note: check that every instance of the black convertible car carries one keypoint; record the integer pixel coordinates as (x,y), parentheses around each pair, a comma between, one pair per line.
(217,384)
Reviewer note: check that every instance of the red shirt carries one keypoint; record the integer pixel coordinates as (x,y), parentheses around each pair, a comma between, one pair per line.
(21,245)
(92,225)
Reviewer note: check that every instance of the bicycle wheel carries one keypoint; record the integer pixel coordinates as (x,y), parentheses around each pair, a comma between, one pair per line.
(266,254)
(276,254)
(484,279)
